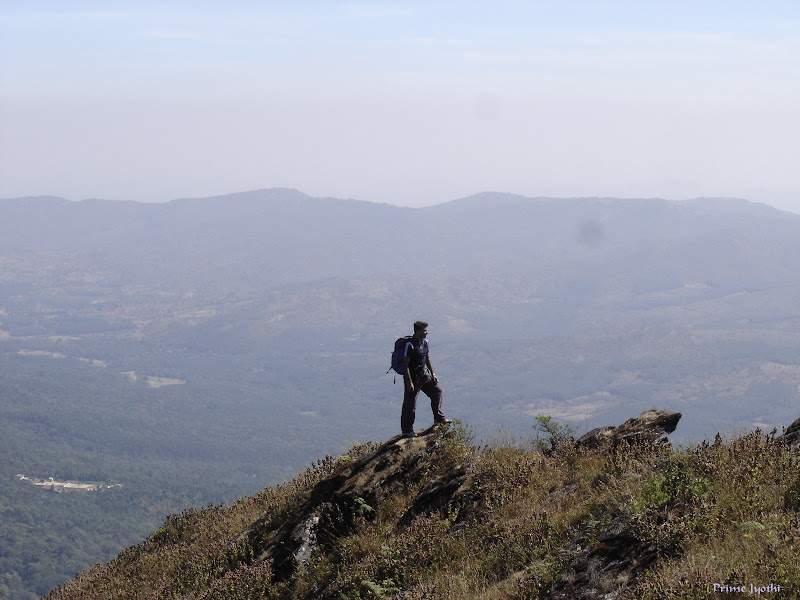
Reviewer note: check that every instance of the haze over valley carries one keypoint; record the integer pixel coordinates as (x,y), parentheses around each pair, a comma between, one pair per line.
(197,350)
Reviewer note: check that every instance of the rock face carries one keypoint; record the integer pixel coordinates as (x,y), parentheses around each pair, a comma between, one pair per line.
(452,487)
(602,569)
(651,427)
(791,437)
(352,490)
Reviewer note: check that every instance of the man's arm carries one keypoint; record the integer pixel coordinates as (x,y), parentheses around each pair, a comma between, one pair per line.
(407,375)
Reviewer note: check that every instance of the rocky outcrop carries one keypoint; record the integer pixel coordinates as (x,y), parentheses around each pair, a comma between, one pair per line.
(602,569)
(453,487)
(791,437)
(352,490)
(650,428)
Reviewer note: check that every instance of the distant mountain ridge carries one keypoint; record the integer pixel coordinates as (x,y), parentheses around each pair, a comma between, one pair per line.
(481,233)
(599,255)
(586,250)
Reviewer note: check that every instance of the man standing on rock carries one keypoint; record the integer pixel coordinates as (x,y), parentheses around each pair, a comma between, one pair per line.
(418,375)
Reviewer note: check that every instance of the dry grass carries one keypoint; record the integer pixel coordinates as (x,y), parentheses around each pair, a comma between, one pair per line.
(742,528)
(725,513)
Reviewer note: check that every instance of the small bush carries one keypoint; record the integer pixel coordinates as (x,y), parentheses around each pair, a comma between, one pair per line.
(555,434)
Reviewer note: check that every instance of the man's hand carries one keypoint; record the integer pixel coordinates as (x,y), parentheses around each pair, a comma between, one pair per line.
(410,388)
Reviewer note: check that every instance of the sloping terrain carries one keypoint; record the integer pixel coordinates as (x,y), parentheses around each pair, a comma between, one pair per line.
(615,514)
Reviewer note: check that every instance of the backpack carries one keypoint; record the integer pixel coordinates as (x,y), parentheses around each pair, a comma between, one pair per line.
(397,355)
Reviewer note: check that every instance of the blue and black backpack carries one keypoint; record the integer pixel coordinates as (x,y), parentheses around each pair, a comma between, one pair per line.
(397,355)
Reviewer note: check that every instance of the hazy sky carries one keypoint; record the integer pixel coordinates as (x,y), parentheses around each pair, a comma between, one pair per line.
(411,103)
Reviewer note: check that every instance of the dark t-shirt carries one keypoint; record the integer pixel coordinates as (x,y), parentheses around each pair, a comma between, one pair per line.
(417,353)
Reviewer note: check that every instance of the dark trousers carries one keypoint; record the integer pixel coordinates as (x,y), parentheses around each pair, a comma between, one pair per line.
(432,391)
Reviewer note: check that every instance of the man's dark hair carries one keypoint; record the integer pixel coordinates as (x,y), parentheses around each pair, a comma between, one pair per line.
(420,325)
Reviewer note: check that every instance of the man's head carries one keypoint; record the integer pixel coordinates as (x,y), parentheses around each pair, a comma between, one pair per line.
(420,329)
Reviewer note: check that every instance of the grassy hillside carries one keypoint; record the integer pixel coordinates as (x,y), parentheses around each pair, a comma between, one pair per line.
(438,517)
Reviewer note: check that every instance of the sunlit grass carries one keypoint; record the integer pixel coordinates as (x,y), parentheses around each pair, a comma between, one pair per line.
(725,513)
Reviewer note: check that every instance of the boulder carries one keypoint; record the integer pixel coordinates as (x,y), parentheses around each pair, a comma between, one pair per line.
(649,428)
(791,437)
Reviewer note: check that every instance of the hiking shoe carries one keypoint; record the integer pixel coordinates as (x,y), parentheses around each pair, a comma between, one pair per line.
(409,434)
